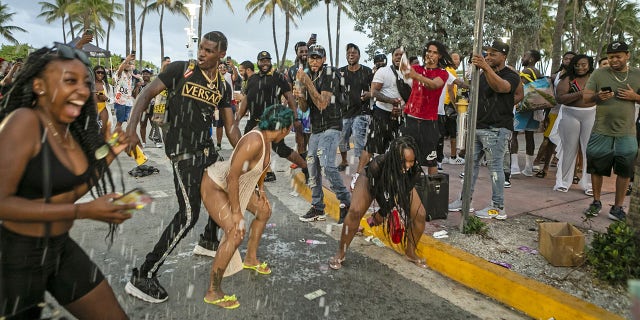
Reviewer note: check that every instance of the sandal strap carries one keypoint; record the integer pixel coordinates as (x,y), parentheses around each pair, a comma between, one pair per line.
(225,298)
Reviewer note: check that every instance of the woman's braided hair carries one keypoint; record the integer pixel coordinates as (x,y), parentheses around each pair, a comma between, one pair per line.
(84,128)
(395,182)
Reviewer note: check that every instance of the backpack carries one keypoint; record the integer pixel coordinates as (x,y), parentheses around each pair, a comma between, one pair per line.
(403,88)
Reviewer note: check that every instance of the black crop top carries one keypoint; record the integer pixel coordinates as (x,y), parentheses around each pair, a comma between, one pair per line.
(62,180)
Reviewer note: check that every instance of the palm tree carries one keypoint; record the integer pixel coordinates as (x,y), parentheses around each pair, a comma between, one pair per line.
(109,28)
(127,26)
(557,34)
(290,10)
(173,7)
(6,31)
(54,11)
(205,6)
(268,9)
(343,6)
(132,15)
(92,13)
(143,15)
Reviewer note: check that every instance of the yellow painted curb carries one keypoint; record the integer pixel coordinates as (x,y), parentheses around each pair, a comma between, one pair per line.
(533,298)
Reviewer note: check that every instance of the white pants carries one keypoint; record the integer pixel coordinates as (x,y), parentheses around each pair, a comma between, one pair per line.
(574,128)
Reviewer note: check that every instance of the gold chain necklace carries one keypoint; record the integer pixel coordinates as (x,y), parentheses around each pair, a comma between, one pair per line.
(212,84)
(616,77)
(56,135)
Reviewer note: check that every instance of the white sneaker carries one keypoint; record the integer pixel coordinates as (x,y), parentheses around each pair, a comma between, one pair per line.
(491,212)
(446,160)
(527,172)
(515,170)
(354,178)
(159,145)
(458,161)
(440,167)
(457,206)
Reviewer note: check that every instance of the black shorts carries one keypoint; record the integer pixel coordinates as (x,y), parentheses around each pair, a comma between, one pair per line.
(448,126)
(220,121)
(426,133)
(382,130)
(66,272)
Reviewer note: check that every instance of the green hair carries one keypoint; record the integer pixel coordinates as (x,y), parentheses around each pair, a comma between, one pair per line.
(276,117)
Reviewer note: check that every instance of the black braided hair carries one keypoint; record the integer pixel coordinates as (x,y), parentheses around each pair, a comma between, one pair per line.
(397,184)
(571,68)
(84,128)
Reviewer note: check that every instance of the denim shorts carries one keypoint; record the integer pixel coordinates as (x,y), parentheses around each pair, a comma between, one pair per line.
(29,268)
(122,112)
(607,152)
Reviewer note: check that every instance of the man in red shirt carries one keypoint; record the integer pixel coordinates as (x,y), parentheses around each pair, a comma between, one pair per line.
(421,121)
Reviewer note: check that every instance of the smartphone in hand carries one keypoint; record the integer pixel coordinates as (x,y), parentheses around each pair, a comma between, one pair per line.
(136,196)
(606,89)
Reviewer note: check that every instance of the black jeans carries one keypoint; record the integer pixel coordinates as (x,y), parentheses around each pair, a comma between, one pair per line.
(187,177)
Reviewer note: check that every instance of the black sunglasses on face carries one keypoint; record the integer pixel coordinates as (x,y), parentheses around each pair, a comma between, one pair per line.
(67,52)
(99,72)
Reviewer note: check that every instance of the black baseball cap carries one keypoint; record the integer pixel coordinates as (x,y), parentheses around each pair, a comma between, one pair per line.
(617,46)
(264,55)
(317,50)
(380,57)
(147,70)
(499,46)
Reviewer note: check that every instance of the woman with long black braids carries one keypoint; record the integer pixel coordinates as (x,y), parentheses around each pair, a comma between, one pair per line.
(49,135)
(389,178)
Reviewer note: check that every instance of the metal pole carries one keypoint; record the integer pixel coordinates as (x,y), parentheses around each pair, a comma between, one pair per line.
(473,113)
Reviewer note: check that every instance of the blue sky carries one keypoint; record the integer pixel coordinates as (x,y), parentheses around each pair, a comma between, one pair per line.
(246,38)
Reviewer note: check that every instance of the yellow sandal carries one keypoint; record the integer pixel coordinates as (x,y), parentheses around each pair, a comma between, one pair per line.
(225,299)
(260,268)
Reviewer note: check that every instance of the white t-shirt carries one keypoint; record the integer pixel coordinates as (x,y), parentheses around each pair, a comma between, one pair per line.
(443,95)
(123,88)
(228,78)
(389,86)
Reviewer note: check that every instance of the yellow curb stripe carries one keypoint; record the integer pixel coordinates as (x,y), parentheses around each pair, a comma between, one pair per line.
(533,298)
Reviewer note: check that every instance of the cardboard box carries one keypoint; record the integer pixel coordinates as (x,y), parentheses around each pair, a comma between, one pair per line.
(561,244)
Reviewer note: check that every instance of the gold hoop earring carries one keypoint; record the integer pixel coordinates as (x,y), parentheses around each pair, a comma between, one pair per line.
(41,93)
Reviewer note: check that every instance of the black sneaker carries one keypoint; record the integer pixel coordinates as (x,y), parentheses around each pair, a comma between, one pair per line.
(629,189)
(206,247)
(344,209)
(594,209)
(617,213)
(270,177)
(313,215)
(147,289)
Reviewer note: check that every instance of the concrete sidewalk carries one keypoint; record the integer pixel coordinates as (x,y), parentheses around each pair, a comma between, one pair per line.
(528,195)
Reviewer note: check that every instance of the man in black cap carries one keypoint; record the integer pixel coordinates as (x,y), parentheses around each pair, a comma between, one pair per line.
(613,142)
(320,89)
(265,88)
(498,84)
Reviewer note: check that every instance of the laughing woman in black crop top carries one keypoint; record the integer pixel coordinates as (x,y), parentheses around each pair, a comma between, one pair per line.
(49,132)
(388,178)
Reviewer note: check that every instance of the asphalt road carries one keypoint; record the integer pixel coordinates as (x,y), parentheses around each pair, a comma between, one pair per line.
(375,283)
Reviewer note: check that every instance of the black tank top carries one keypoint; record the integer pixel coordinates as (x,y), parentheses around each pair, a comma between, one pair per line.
(61,179)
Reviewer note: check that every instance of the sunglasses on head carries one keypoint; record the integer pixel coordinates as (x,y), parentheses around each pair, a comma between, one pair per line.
(66,52)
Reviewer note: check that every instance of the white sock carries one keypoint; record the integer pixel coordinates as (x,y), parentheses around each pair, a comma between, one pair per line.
(514,162)
(529,161)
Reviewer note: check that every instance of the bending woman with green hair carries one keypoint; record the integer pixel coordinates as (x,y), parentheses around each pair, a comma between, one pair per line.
(233,186)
